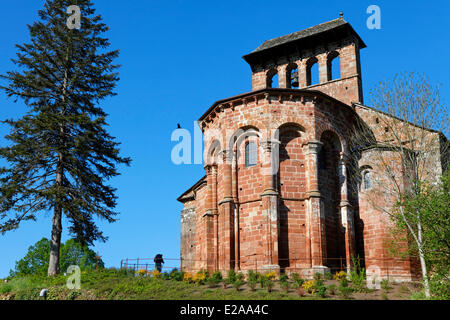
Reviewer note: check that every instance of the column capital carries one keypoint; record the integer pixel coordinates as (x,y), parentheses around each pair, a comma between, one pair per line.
(269,144)
(227,155)
(314,146)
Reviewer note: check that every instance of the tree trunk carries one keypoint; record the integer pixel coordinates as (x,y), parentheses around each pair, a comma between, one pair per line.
(423,264)
(53,265)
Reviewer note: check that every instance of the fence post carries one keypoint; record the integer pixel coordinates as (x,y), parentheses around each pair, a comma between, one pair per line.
(127,264)
(121,264)
(137,264)
(181,264)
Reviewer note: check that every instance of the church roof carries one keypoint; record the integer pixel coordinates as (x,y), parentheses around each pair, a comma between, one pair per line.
(304,38)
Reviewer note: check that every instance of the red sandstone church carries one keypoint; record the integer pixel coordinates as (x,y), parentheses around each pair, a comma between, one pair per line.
(276,194)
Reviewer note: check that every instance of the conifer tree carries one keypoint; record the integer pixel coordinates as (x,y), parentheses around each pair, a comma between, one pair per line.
(60,155)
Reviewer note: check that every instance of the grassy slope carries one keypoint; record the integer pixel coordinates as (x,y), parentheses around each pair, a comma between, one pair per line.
(113,284)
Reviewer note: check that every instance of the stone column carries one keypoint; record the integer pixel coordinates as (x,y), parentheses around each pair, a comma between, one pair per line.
(208,244)
(346,213)
(227,209)
(316,216)
(269,199)
(235,185)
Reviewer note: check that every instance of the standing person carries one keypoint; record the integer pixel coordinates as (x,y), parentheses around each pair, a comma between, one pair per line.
(158,262)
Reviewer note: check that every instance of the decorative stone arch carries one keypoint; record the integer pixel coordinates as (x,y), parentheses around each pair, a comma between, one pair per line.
(239,138)
(329,161)
(308,65)
(330,58)
(270,74)
(291,70)
(213,154)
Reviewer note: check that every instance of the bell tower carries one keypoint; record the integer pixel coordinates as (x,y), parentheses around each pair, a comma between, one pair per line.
(324,58)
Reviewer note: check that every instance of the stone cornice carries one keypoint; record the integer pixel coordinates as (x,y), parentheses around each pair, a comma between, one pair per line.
(264,94)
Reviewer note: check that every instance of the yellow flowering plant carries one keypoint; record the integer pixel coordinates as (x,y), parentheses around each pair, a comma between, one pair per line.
(156,273)
(271,275)
(188,277)
(340,275)
(141,272)
(310,286)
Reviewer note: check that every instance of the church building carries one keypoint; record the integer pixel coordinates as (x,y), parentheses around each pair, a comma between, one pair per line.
(278,192)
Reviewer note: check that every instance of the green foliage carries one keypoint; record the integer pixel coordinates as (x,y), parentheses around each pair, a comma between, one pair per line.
(231,276)
(357,275)
(238,284)
(318,276)
(269,284)
(332,289)
(217,276)
(283,278)
(328,276)
(385,285)
(420,295)
(285,285)
(252,283)
(72,252)
(294,276)
(176,275)
(298,282)
(384,296)
(428,205)
(345,291)
(321,291)
(59,156)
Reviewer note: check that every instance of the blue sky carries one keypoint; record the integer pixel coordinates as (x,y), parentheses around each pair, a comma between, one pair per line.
(179,57)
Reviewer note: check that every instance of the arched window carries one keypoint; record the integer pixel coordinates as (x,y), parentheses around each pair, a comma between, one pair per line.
(272,79)
(250,154)
(333,66)
(292,80)
(312,72)
(367,180)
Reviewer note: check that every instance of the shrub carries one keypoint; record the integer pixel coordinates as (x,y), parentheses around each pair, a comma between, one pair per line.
(238,283)
(141,272)
(343,282)
(318,276)
(384,296)
(299,282)
(283,278)
(294,276)
(385,285)
(345,291)
(217,276)
(269,285)
(328,276)
(310,286)
(231,276)
(252,284)
(156,273)
(252,275)
(357,275)
(321,291)
(332,289)
(175,275)
(187,277)
(212,282)
(271,275)
(199,277)
(165,276)
(340,275)
(5,288)
(285,285)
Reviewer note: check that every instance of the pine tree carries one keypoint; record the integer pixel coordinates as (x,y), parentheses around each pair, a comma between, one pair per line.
(60,155)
